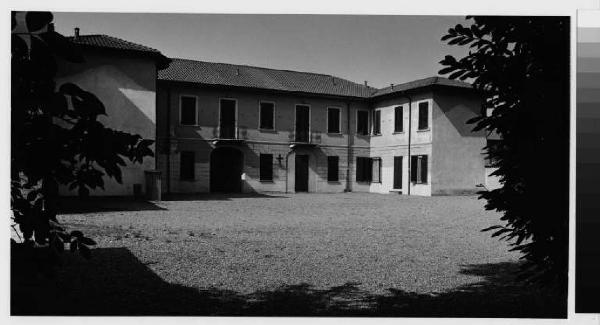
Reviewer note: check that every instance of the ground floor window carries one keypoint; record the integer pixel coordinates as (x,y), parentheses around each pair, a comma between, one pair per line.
(333,168)
(376,170)
(397,172)
(187,160)
(418,169)
(266,167)
(363,169)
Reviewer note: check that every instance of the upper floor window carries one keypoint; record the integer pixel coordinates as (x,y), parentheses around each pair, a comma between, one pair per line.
(188,110)
(333,120)
(377,122)
(423,116)
(398,119)
(362,122)
(267,116)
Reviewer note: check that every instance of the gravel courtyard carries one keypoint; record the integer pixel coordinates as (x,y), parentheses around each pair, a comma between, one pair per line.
(248,244)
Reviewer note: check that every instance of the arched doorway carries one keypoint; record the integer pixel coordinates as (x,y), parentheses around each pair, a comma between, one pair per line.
(226,165)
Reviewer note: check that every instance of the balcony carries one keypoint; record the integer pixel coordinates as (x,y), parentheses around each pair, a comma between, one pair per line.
(305,139)
(229,135)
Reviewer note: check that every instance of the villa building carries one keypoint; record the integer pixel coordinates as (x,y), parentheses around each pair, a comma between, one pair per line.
(234,128)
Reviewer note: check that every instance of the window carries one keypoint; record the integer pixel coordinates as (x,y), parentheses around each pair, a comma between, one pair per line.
(376,170)
(362,122)
(399,119)
(267,116)
(363,169)
(187,160)
(333,120)
(418,169)
(423,116)
(187,107)
(398,172)
(377,122)
(266,167)
(333,168)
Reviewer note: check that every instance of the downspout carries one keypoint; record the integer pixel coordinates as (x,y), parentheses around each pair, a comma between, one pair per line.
(349,147)
(409,138)
(168,141)
(287,158)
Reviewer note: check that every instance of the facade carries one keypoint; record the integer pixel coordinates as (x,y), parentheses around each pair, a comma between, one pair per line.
(233,128)
(123,76)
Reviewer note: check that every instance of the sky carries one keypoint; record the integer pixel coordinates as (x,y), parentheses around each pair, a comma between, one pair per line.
(374,48)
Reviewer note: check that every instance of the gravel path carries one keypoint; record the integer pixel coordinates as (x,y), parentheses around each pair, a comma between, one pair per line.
(247,244)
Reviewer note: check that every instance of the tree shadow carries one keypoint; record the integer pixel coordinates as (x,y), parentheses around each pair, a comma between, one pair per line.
(217,196)
(115,282)
(93,204)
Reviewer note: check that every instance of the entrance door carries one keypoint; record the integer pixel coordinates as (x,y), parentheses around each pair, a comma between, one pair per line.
(302,123)
(227,121)
(226,170)
(301,173)
(398,172)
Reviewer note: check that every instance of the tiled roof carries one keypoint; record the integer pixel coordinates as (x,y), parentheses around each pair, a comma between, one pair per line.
(223,74)
(420,83)
(114,43)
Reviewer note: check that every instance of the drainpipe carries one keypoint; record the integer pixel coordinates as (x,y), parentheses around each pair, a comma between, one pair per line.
(409,138)
(349,147)
(287,158)
(168,140)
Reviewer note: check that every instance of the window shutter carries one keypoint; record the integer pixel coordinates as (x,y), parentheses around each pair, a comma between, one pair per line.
(376,170)
(413,168)
(398,172)
(424,169)
(266,167)
(398,119)
(423,115)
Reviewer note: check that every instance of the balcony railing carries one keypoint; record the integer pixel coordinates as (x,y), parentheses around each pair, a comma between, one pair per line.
(305,137)
(230,134)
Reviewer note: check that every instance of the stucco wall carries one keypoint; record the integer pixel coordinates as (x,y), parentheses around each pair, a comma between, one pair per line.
(127,88)
(199,138)
(390,143)
(458,164)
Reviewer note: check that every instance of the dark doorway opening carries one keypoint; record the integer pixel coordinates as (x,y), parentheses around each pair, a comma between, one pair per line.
(301,173)
(227,120)
(398,172)
(226,170)
(302,123)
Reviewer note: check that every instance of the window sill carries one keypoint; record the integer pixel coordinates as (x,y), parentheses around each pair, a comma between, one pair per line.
(187,180)
(376,134)
(267,130)
(189,125)
(267,181)
(334,182)
(424,130)
(334,134)
(398,132)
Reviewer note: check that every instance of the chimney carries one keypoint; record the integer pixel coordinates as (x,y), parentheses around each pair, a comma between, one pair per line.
(366,83)
(76,33)
(392,85)
(333,79)
(237,71)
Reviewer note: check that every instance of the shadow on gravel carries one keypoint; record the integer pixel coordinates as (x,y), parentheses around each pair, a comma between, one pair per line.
(217,196)
(115,282)
(93,204)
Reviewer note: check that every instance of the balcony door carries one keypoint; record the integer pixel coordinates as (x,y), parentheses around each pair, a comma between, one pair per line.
(302,123)
(227,119)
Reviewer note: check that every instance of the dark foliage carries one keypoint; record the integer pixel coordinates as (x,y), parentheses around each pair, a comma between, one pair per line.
(521,66)
(56,136)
